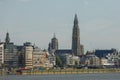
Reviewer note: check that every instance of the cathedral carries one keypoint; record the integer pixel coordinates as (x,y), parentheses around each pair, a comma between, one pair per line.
(77,48)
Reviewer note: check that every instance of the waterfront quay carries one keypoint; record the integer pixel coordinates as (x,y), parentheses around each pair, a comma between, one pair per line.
(62,71)
(71,71)
(2,72)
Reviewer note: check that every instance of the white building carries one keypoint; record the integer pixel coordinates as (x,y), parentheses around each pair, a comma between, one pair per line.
(41,58)
(28,51)
(72,60)
(92,60)
(52,59)
(1,53)
(105,62)
(113,58)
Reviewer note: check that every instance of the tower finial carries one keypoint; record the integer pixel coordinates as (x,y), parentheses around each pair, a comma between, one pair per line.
(75,19)
(7,40)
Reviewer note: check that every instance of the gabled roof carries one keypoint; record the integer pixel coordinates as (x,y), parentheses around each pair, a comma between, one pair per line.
(19,48)
(103,53)
(63,51)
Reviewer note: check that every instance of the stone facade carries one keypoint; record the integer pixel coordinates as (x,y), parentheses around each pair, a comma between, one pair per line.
(28,51)
(40,58)
(76,47)
(1,53)
(10,53)
(53,45)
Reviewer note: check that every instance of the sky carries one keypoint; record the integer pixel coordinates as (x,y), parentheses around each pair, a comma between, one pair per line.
(37,20)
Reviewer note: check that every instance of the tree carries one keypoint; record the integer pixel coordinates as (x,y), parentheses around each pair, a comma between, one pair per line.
(3,65)
(58,61)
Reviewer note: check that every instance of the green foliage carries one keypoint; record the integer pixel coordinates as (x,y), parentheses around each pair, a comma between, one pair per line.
(59,61)
(3,65)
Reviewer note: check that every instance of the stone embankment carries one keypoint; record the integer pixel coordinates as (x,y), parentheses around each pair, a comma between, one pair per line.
(64,71)
(73,71)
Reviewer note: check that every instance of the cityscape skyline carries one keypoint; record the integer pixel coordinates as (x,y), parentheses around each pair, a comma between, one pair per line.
(36,21)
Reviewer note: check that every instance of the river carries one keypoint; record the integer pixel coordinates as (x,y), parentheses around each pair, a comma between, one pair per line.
(95,76)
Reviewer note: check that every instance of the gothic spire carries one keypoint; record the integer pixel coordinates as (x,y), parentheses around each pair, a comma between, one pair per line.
(7,40)
(76,49)
(75,19)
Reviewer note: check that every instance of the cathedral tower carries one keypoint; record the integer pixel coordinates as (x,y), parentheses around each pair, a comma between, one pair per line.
(7,39)
(53,45)
(76,49)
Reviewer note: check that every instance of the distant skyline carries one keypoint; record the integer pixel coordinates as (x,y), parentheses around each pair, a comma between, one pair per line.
(36,21)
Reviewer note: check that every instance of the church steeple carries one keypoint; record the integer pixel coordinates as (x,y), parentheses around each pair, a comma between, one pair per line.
(75,20)
(7,39)
(76,49)
(54,42)
(53,45)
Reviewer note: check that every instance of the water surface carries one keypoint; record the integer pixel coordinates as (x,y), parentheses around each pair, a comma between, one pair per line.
(98,76)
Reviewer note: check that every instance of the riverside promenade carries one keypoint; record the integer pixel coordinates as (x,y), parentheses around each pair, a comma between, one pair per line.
(64,71)
(2,72)
(72,71)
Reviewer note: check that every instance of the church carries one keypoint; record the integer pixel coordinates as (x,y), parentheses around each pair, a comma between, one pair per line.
(77,49)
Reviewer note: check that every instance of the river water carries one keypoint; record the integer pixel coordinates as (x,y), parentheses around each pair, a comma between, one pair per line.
(91,76)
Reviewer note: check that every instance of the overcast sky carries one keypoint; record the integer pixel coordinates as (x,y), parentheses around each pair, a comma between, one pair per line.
(37,20)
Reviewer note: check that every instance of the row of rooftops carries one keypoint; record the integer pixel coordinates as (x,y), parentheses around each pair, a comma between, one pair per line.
(99,53)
